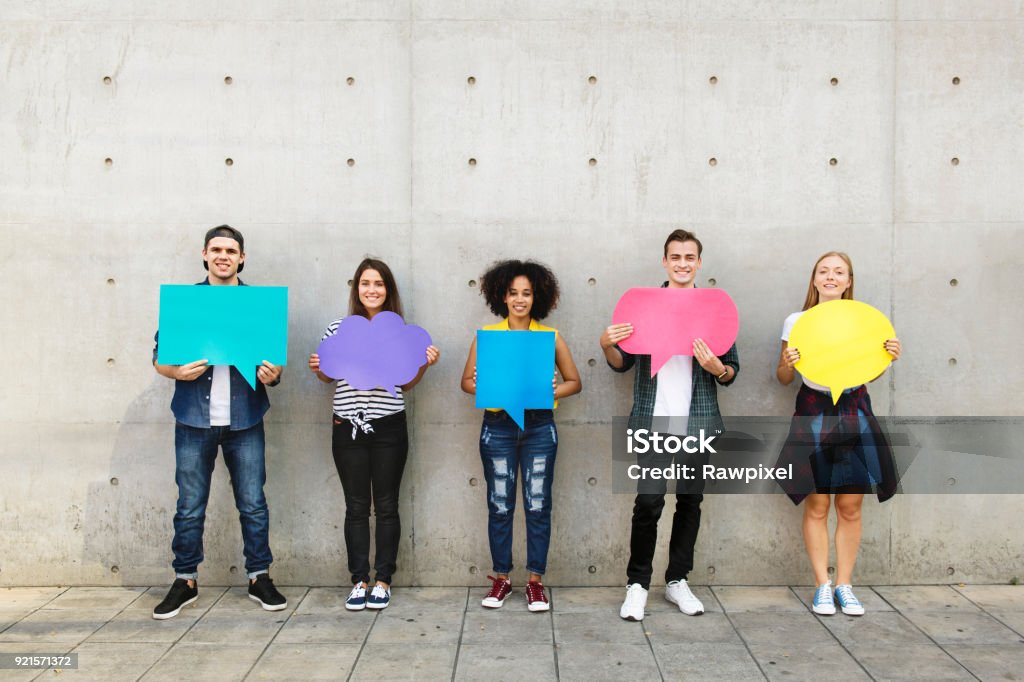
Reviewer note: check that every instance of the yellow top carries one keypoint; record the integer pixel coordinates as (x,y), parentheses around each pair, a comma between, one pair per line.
(502,326)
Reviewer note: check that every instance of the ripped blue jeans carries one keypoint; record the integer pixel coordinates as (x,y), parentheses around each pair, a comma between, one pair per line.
(505,449)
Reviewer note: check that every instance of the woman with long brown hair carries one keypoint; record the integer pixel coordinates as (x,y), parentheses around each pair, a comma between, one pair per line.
(847,451)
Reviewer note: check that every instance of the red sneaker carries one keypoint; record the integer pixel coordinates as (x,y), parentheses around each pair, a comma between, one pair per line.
(500,589)
(536,600)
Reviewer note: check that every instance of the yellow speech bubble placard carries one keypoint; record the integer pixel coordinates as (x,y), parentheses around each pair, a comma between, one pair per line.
(842,344)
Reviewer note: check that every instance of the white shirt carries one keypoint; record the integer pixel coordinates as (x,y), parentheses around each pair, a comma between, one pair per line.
(675,390)
(787,327)
(220,396)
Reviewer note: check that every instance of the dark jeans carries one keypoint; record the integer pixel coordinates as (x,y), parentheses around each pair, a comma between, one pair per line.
(195,455)
(371,466)
(647,510)
(504,449)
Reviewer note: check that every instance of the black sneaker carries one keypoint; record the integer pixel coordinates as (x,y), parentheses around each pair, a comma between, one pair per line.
(178,596)
(266,594)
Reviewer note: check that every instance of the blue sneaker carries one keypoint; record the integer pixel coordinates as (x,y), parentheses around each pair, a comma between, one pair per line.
(850,604)
(356,598)
(379,597)
(823,604)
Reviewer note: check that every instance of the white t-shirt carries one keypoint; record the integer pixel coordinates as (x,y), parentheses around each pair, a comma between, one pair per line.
(675,389)
(220,396)
(787,327)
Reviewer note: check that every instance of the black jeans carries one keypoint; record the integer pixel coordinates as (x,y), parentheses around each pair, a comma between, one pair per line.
(647,510)
(371,466)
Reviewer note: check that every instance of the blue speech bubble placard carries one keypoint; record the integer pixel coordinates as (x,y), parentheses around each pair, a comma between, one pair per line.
(226,325)
(514,370)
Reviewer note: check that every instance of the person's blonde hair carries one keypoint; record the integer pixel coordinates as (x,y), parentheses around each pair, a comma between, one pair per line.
(812,292)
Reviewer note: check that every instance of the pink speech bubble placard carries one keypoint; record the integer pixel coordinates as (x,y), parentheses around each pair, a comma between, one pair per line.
(666,321)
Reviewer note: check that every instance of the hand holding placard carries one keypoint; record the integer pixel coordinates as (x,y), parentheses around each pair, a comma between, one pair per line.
(666,321)
(225,325)
(842,344)
(384,352)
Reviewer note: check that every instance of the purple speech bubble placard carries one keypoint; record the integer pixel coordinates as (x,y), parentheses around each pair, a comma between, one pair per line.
(381,353)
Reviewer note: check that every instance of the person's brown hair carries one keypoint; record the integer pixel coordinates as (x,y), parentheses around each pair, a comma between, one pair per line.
(812,292)
(683,236)
(392,301)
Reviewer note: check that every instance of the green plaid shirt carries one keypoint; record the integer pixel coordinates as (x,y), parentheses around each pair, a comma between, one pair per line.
(704,412)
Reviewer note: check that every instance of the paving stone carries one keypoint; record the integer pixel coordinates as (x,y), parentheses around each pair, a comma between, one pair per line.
(56,625)
(685,660)
(1011,619)
(416,662)
(136,623)
(780,628)
(802,661)
(199,662)
(874,628)
(485,663)
(418,627)
(283,662)
(961,627)
(736,599)
(496,626)
(1002,662)
(345,627)
(587,599)
(429,599)
(872,602)
(226,627)
(995,597)
(907,662)
(27,598)
(925,598)
(676,627)
(605,661)
(590,628)
(100,598)
(103,661)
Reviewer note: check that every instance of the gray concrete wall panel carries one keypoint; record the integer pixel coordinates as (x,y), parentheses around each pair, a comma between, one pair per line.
(87,493)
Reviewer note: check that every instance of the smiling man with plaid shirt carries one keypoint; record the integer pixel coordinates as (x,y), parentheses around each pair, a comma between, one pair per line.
(684,387)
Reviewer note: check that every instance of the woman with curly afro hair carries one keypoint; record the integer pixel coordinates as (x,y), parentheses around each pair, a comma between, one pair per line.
(521,292)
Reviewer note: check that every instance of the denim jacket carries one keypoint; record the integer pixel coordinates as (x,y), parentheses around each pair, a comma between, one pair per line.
(191,401)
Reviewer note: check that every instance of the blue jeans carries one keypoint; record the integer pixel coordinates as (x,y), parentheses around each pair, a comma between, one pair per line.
(504,449)
(195,454)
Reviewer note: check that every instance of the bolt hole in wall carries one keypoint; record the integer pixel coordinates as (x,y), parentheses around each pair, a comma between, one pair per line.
(712,281)
(472,283)
(471,80)
(713,80)
(228,80)
(834,81)
(107,80)
(115,569)
(110,281)
(592,162)
(953,282)
(351,162)
(472,162)
(591,481)
(833,161)
(114,481)
(955,161)
(592,362)
(956,80)
(108,161)
(233,570)
(951,482)
(110,362)
(952,362)
(350,80)
(592,80)
(229,162)
(592,569)
(711,570)
(473,482)
(473,570)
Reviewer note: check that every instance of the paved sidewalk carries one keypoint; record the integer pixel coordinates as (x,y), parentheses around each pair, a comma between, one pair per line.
(433,633)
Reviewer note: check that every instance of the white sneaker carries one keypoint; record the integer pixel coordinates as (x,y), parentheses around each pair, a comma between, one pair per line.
(636,600)
(678,592)
(850,604)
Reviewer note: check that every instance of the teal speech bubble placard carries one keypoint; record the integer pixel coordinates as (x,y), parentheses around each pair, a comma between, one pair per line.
(226,325)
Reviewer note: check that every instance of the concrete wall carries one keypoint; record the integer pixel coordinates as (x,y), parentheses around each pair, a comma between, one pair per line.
(87,493)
